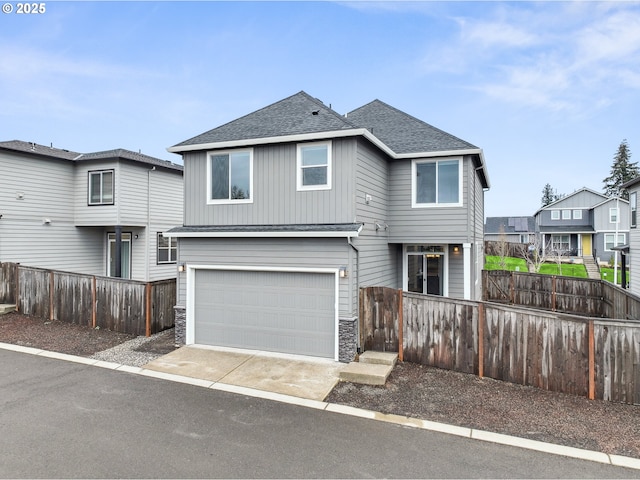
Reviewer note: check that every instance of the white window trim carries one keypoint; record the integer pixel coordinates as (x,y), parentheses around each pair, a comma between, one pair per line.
(299,186)
(566,214)
(611,210)
(211,201)
(113,187)
(173,245)
(633,208)
(555,214)
(612,234)
(125,237)
(414,188)
(577,214)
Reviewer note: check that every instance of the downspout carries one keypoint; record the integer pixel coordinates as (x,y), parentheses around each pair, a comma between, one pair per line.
(357,280)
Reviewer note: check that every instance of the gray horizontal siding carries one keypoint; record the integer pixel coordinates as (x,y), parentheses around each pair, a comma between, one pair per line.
(275,199)
(424,225)
(296,253)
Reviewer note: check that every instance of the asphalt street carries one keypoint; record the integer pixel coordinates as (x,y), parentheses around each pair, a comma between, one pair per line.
(66,420)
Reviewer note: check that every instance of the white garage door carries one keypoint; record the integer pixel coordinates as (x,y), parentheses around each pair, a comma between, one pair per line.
(289,312)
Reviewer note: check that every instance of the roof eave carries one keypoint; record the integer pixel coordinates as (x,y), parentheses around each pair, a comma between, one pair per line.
(290,234)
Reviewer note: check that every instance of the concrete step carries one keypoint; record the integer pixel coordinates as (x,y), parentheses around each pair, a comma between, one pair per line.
(7,308)
(381,358)
(366,373)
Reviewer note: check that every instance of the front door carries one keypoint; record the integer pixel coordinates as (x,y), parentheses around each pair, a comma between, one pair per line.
(125,260)
(425,273)
(586,246)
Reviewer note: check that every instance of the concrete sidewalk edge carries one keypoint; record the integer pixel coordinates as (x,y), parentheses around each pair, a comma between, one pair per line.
(482,435)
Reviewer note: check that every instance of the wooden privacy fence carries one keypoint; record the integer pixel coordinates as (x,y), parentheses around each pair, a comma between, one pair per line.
(580,296)
(124,306)
(596,358)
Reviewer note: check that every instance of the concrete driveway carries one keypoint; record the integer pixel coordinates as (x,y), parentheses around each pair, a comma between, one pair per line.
(293,375)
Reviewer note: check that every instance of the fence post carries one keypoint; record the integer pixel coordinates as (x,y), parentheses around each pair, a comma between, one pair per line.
(17,295)
(512,288)
(592,362)
(148,310)
(481,340)
(553,293)
(51,283)
(94,302)
(400,327)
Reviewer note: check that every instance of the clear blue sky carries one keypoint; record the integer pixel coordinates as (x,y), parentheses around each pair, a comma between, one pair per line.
(547,89)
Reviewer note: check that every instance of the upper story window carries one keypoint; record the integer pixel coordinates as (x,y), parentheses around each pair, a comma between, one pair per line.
(577,214)
(101,187)
(613,215)
(436,182)
(555,214)
(230,177)
(566,214)
(633,205)
(314,166)
(167,249)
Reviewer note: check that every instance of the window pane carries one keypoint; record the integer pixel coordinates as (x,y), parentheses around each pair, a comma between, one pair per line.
(220,177)
(448,182)
(314,176)
(316,155)
(426,183)
(94,185)
(163,255)
(240,175)
(566,214)
(107,187)
(163,242)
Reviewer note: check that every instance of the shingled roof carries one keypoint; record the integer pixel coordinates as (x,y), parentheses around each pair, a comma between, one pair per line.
(403,133)
(61,154)
(295,115)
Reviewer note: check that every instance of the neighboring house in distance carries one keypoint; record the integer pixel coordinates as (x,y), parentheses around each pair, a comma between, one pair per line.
(78,212)
(510,229)
(584,224)
(290,209)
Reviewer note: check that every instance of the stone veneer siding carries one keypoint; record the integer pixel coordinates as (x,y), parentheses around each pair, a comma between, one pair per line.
(180,325)
(348,339)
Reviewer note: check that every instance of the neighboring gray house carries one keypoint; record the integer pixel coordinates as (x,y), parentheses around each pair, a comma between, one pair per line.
(632,248)
(78,212)
(290,209)
(510,229)
(584,224)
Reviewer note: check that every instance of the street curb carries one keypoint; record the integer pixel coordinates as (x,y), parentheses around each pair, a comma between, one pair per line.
(473,434)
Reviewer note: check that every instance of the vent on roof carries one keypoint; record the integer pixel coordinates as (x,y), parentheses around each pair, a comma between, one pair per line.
(315,112)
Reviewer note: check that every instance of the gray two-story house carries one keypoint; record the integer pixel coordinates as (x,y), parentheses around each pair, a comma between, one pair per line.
(584,224)
(290,209)
(100,213)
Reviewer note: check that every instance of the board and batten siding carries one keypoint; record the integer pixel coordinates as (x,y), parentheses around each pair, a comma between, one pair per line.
(33,189)
(601,217)
(275,252)
(425,225)
(276,200)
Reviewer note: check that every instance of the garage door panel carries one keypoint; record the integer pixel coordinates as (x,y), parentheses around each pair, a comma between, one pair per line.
(291,312)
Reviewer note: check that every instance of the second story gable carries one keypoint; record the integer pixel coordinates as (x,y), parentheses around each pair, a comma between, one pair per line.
(299,162)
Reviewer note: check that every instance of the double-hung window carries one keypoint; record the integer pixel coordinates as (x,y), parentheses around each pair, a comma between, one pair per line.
(313,162)
(101,187)
(613,215)
(436,182)
(555,214)
(167,249)
(609,240)
(633,205)
(230,177)
(566,214)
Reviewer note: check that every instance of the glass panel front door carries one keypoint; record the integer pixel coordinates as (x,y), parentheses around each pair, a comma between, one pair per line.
(430,283)
(125,261)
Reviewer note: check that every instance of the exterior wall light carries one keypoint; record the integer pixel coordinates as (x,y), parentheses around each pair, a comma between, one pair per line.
(342,272)
(181,267)
(456,249)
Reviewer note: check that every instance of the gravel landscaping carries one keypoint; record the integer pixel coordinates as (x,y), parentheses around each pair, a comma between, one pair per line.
(411,390)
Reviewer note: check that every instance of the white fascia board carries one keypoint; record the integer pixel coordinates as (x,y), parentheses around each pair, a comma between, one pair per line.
(448,153)
(262,234)
(303,137)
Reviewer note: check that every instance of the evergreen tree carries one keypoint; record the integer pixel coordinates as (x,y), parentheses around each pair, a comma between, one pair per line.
(622,171)
(549,195)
